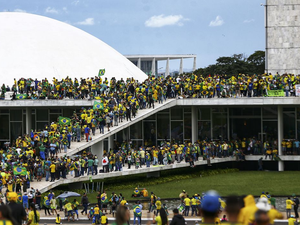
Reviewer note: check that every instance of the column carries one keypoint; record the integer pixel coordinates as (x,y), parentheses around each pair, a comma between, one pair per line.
(194,64)
(280,137)
(167,73)
(194,124)
(97,149)
(153,67)
(139,63)
(110,142)
(181,67)
(28,120)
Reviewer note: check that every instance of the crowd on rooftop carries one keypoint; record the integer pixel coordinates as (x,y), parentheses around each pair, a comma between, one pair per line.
(157,88)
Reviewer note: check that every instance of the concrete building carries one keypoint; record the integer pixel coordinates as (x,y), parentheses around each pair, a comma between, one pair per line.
(149,63)
(282,36)
(176,119)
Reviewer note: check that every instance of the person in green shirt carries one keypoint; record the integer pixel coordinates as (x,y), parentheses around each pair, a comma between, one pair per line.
(90,166)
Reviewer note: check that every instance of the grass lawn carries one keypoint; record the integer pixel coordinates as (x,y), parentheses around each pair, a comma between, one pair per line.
(240,183)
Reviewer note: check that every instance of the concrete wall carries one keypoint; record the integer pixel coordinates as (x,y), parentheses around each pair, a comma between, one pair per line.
(283,36)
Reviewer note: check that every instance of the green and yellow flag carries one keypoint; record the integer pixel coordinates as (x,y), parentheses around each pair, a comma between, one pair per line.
(20,171)
(21,96)
(101,72)
(98,105)
(64,120)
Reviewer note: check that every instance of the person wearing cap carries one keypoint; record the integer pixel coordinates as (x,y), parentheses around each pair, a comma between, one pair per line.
(91,213)
(292,220)
(17,210)
(210,208)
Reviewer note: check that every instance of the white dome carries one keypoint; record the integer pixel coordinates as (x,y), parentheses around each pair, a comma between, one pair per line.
(33,46)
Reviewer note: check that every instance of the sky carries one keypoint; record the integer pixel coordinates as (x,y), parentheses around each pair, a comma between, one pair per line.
(209,29)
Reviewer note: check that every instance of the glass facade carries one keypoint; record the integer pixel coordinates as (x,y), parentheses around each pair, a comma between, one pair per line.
(175,124)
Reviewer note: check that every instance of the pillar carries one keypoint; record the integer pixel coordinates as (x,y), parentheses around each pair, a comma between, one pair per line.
(167,73)
(97,149)
(28,120)
(110,142)
(194,64)
(181,66)
(139,63)
(280,137)
(194,124)
(153,67)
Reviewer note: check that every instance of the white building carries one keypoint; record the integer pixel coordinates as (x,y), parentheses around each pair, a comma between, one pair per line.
(149,63)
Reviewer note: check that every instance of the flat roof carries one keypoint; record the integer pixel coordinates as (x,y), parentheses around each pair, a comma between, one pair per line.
(161,57)
(254,101)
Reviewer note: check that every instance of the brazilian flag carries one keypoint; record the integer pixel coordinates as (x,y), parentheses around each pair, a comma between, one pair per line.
(20,171)
(21,96)
(104,199)
(64,120)
(101,72)
(98,105)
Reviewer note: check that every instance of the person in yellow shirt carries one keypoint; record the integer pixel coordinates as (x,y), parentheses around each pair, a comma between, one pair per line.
(33,216)
(97,213)
(104,220)
(292,220)
(194,205)
(52,171)
(69,208)
(57,219)
(289,204)
(248,210)
(187,203)
(274,214)
(158,204)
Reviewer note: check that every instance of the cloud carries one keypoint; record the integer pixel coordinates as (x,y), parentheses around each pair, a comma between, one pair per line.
(217,22)
(87,22)
(51,10)
(75,2)
(162,20)
(20,10)
(249,21)
(65,9)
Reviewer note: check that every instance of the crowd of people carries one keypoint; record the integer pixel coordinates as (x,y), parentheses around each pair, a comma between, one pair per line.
(209,206)
(188,85)
(36,154)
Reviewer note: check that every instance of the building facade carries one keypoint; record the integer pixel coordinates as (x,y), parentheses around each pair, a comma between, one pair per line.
(282,36)
(148,63)
(187,120)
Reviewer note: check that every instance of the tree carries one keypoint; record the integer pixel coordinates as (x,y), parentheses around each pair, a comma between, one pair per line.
(236,64)
(257,60)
